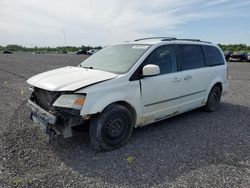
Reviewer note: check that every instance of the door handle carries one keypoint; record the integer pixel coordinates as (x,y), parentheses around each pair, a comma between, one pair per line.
(187,77)
(176,79)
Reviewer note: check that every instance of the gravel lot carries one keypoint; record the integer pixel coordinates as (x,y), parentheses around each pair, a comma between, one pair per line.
(196,149)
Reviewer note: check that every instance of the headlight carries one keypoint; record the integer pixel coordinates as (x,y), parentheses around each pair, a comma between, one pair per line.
(70,101)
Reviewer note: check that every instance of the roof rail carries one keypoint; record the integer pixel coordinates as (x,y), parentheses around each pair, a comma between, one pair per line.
(169,38)
(172,38)
(163,38)
(194,40)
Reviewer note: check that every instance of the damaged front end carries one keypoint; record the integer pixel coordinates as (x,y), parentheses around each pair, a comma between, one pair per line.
(53,112)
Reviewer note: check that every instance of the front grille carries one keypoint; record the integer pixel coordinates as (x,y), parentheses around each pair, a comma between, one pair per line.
(44,98)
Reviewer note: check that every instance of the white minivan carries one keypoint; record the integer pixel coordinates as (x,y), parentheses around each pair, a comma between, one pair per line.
(128,85)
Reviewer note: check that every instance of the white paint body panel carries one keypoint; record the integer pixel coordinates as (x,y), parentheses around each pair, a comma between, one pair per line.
(160,96)
(69,78)
(101,95)
(195,82)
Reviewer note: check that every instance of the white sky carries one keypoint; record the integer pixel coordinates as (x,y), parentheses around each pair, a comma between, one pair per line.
(93,22)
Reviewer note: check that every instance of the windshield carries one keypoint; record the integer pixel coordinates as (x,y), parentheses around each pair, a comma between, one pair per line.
(116,58)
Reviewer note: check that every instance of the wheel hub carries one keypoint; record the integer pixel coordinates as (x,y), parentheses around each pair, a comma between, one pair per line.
(115,126)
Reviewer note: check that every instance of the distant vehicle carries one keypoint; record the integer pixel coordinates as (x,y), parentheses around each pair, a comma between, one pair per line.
(248,57)
(7,52)
(38,52)
(92,51)
(128,85)
(62,52)
(239,56)
(80,52)
(227,55)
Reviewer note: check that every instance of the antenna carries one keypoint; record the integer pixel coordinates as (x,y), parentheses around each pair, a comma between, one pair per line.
(64,38)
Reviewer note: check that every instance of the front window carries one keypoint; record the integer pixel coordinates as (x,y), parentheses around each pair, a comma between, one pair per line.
(164,57)
(116,58)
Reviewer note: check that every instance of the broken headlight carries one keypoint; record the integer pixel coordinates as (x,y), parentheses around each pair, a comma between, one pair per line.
(73,101)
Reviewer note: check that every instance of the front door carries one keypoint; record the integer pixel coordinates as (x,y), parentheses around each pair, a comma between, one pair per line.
(161,93)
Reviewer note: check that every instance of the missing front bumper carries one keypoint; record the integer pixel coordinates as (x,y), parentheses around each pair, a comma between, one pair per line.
(50,130)
(41,113)
(54,125)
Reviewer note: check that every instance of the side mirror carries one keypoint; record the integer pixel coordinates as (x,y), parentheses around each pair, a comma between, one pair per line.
(150,70)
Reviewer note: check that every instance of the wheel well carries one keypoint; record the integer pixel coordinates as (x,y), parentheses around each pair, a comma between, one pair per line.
(128,106)
(219,84)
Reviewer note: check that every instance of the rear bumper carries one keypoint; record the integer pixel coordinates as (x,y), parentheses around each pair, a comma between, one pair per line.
(238,58)
(234,59)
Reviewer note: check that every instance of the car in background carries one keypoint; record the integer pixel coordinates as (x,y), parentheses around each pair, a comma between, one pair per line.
(227,55)
(81,52)
(7,52)
(248,57)
(38,52)
(92,51)
(239,56)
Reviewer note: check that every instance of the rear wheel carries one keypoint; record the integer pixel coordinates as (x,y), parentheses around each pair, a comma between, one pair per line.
(213,100)
(112,129)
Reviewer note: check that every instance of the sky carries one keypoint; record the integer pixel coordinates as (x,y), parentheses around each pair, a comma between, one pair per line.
(95,22)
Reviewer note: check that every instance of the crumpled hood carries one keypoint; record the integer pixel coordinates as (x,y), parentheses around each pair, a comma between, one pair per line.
(69,78)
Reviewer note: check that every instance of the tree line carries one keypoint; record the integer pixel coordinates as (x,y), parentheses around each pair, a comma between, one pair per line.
(19,48)
(235,47)
(62,49)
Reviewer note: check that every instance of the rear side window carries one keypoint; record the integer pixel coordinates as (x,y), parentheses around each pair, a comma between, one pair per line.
(192,57)
(213,56)
(164,57)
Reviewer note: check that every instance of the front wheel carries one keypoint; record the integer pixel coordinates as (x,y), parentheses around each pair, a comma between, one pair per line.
(112,129)
(213,100)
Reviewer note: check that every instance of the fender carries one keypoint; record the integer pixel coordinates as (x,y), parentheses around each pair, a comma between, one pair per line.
(97,101)
(212,83)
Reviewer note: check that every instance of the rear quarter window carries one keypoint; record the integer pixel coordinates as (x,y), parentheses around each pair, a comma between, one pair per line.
(192,57)
(213,56)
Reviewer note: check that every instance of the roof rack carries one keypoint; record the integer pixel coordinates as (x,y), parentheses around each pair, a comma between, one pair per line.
(172,38)
(194,40)
(163,38)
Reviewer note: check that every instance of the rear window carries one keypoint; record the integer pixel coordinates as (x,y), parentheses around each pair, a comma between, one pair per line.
(213,56)
(192,57)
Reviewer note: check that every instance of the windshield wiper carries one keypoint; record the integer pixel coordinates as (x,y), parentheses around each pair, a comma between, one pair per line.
(86,67)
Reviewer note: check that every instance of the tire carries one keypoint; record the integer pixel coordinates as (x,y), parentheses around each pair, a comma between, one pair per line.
(213,100)
(112,129)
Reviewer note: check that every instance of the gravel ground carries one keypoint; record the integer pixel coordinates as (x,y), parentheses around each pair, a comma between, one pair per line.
(196,149)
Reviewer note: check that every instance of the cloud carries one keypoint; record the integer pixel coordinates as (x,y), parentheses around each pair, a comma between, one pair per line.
(34,22)
(216,2)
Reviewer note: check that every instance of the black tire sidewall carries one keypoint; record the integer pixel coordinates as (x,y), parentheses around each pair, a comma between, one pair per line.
(97,133)
(209,107)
